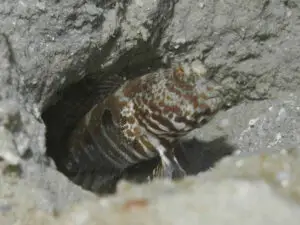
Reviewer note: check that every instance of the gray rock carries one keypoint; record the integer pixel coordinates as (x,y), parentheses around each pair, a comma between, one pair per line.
(248,190)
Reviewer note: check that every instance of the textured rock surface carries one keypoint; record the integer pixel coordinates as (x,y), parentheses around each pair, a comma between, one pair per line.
(231,194)
(253,45)
(249,128)
(263,186)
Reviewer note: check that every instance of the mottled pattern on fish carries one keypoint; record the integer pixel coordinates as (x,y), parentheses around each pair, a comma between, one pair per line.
(141,120)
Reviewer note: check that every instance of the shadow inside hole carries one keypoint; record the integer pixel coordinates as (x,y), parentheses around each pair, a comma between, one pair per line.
(193,155)
(198,156)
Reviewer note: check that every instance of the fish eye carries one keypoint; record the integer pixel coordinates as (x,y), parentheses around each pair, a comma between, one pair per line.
(228,105)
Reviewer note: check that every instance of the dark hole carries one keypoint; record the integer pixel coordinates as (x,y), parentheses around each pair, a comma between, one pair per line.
(74,102)
(60,118)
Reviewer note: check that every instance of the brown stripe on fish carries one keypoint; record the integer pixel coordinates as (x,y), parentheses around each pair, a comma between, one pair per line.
(133,132)
(131,128)
(133,148)
(147,147)
(112,151)
(146,113)
(187,95)
(171,108)
(152,125)
(126,141)
(149,126)
(105,142)
(164,121)
(103,148)
(168,133)
(189,123)
(139,152)
(130,150)
(151,105)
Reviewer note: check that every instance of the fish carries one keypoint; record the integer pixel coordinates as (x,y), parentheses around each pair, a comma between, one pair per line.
(141,120)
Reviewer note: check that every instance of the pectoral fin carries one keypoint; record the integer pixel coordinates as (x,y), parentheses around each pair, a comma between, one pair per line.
(169,167)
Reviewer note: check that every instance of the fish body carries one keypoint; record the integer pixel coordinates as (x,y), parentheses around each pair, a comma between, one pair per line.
(142,120)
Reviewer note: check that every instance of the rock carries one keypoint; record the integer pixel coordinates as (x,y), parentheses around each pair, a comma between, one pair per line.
(36,195)
(19,203)
(8,150)
(262,186)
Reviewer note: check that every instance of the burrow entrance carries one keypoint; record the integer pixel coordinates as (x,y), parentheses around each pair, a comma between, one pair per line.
(78,98)
(73,102)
